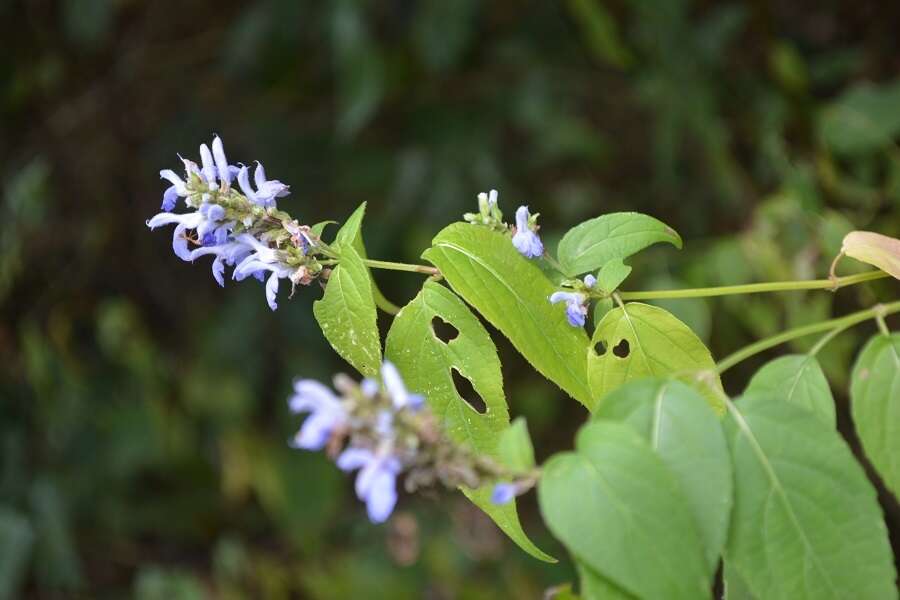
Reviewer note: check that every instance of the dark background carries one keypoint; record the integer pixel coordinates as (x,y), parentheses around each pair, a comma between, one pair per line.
(142,408)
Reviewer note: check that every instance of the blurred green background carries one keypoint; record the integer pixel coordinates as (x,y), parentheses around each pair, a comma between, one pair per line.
(142,409)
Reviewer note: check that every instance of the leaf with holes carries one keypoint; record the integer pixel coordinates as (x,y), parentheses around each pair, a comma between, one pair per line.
(512,293)
(346,314)
(350,234)
(798,379)
(594,243)
(687,435)
(874,249)
(806,521)
(641,340)
(875,404)
(427,364)
(619,510)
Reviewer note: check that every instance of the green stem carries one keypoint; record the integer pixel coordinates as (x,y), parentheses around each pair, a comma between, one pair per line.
(395,266)
(839,323)
(754,288)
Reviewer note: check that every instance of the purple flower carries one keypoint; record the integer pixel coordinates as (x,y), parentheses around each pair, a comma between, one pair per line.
(396,389)
(261,259)
(266,190)
(576,306)
(326,413)
(178,189)
(590,281)
(226,253)
(223,169)
(183,223)
(525,239)
(503,493)
(376,483)
(208,171)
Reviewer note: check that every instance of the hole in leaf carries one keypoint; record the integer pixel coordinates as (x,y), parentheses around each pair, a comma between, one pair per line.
(443,330)
(622,349)
(467,392)
(600,348)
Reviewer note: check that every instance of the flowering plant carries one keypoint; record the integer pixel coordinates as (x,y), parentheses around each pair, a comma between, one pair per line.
(669,478)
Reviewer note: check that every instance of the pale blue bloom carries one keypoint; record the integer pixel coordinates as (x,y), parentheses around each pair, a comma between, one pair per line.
(262,258)
(183,223)
(226,253)
(397,391)
(326,414)
(178,189)
(266,190)
(576,306)
(503,493)
(525,239)
(223,169)
(590,281)
(376,483)
(369,387)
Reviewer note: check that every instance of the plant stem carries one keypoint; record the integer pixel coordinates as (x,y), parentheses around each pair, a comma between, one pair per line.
(839,324)
(754,288)
(395,266)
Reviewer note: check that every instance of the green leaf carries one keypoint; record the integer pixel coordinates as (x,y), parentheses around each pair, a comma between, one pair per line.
(735,586)
(514,447)
(595,587)
(874,249)
(612,274)
(687,435)
(601,307)
(16,539)
(619,510)
(806,521)
(641,340)
(875,406)
(319,228)
(798,379)
(426,362)
(350,234)
(55,553)
(594,243)
(512,293)
(346,314)
(862,120)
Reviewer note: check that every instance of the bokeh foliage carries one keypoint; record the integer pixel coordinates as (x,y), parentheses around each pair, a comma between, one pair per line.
(142,409)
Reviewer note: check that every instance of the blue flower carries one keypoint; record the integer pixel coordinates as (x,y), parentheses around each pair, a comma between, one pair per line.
(576,306)
(503,493)
(326,414)
(226,253)
(183,223)
(396,389)
(525,239)
(590,281)
(376,483)
(266,190)
(178,189)
(261,259)
(225,171)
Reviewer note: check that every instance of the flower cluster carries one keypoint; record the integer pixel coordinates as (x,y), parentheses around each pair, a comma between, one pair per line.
(382,430)
(524,233)
(243,229)
(576,301)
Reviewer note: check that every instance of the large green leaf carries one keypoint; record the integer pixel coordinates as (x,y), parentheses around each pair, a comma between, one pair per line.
(426,362)
(684,431)
(862,120)
(512,293)
(350,234)
(806,522)
(875,402)
(641,340)
(735,586)
(346,314)
(798,379)
(619,510)
(595,587)
(592,244)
